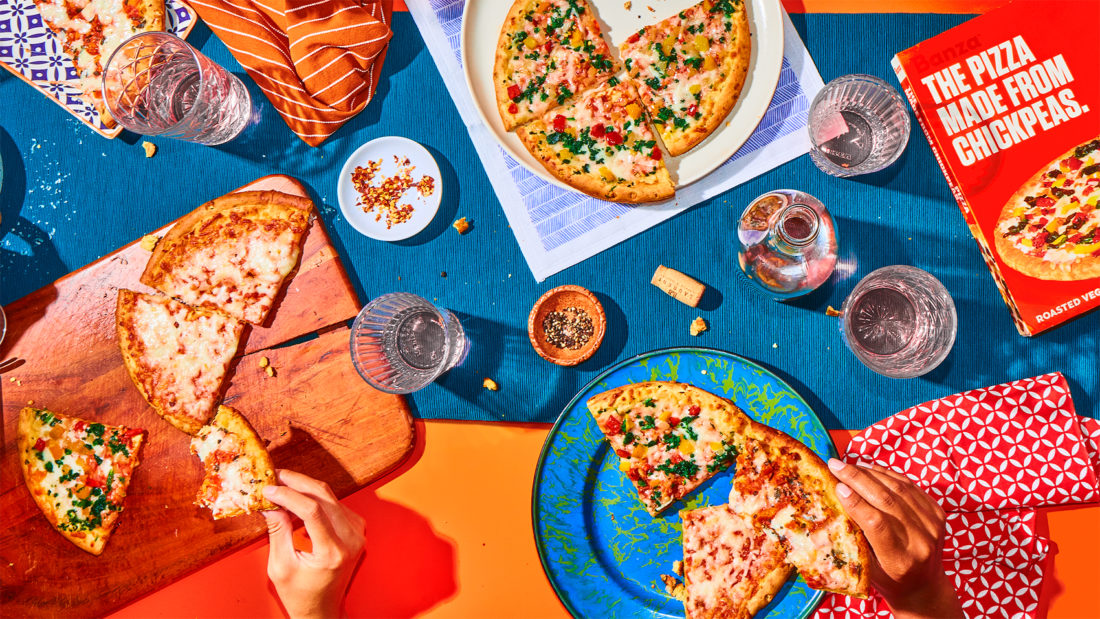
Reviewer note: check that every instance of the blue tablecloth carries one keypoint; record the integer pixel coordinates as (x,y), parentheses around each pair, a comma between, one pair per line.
(70,196)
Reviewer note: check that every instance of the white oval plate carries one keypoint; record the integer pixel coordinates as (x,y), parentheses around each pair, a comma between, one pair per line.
(481,24)
(385,149)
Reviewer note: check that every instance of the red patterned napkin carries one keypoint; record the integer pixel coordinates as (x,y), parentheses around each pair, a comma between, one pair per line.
(987,456)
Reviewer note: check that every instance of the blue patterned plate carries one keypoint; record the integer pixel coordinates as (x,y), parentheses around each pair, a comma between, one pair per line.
(30,50)
(601,550)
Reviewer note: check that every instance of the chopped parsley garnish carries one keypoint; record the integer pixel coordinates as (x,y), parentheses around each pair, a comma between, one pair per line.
(649,402)
(564,94)
(628,438)
(679,123)
(657,496)
(518,37)
(96,429)
(672,440)
(614,81)
(628,62)
(688,430)
(643,145)
(725,6)
(653,83)
(49,467)
(695,62)
(724,459)
(664,114)
(683,468)
(647,423)
(651,443)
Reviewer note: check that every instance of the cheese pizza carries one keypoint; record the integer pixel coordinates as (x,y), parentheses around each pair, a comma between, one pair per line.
(177,355)
(601,145)
(1050,228)
(78,472)
(236,465)
(669,437)
(232,254)
(90,30)
(690,69)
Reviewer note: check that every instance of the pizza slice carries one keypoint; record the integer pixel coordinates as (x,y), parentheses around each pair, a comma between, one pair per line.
(690,69)
(78,472)
(232,254)
(236,464)
(731,568)
(601,145)
(548,51)
(790,495)
(669,437)
(177,355)
(89,32)
(1050,228)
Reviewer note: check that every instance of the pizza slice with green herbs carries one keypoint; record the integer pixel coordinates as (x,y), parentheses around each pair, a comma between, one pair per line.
(669,437)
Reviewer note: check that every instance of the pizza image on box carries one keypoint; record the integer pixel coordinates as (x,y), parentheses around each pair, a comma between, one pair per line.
(1050,228)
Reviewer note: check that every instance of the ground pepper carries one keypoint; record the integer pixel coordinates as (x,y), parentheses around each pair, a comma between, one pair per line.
(570,328)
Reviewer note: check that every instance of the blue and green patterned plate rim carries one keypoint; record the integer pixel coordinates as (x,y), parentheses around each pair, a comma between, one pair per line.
(602,552)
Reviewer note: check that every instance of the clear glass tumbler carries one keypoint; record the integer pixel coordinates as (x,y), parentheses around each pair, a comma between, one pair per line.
(899,321)
(858,124)
(156,84)
(401,342)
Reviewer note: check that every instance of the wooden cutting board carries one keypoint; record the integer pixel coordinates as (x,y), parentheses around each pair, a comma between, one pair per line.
(321,417)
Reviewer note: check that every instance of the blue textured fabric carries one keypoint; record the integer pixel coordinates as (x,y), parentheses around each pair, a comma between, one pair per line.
(69,197)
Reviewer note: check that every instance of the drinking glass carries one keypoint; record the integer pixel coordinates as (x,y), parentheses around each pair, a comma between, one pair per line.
(899,321)
(156,84)
(858,124)
(401,342)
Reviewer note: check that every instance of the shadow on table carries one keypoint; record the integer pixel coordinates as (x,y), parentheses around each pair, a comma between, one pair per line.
(448,205)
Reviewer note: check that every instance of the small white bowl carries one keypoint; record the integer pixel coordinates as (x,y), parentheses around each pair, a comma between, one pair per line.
(385,149)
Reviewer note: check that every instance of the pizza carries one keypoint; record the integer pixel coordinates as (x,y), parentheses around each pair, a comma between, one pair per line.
(78,472)
(548,52)
(600,144)
(790,495)
(236,465)
(232,254)
(669,437)
(731,568)
(177,356)
(90,30)
(690,69)
(1050,228)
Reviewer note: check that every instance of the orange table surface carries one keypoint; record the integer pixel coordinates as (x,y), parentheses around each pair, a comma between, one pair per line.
(449,535)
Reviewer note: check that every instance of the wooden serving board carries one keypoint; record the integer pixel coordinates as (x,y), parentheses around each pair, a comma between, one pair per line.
(322,419)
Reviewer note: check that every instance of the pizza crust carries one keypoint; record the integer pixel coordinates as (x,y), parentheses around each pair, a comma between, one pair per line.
(501,76)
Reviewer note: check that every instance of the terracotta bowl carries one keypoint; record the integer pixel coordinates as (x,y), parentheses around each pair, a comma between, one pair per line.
(558,299)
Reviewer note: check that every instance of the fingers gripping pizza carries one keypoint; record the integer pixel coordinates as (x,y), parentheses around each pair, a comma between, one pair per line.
(237,466)
(669,437)
(1050,228)
(232,254)
(690,69)
(549,51)
(602,146)
(78,472)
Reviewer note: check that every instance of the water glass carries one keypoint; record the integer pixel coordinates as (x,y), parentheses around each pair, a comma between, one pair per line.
(401,342)
(156,84)
(899,321)
(858,124)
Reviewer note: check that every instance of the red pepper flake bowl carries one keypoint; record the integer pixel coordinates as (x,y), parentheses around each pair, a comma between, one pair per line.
(567,324)
(390,188)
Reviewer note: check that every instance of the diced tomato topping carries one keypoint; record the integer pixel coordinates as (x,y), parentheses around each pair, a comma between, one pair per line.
(1074,238)
(1044,201)
(598,130)
(559,123)
(634,474)
(675,457)
(613,138)
(692,109)
(613,425)
(1040,239)
(1096,254)
(1072,163)
(79,425)
(39,445)
(656,154)
(694,410)
(673,421)
(514,92)
(1087,190)
(513,108)
(1039,253)
(549,47)
(634,37)
(622,453)
(93,482)
(1080,219)
(1042,221)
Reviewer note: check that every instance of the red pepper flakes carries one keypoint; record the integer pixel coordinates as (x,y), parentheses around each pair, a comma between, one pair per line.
(383,198)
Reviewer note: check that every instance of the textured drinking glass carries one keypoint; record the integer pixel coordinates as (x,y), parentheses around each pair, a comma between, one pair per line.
(401,342)
(858,124)
(899,321)
(157,84)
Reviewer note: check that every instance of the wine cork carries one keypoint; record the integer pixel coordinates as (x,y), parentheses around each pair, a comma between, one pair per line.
(678,286)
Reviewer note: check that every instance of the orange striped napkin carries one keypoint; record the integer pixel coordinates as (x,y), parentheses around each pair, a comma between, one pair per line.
(318,61)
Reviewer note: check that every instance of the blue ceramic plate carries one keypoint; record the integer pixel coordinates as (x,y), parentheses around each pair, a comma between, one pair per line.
(601,550)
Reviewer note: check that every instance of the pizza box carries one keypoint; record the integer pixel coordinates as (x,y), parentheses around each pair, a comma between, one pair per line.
(1010,103)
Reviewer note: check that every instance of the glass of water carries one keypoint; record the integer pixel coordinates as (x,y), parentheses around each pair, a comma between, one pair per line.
(858,124)
(899,321)
(156,84)
(401,342)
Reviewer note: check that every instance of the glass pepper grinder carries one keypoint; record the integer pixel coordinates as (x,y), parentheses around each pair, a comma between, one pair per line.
(787,243)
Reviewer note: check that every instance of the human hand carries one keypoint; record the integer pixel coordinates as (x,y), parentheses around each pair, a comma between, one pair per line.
(905,528)
(311,584)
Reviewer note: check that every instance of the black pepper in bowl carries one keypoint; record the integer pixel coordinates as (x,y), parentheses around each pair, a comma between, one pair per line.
(570,328)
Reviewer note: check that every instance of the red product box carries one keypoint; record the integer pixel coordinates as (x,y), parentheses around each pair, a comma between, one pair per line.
(1010,103)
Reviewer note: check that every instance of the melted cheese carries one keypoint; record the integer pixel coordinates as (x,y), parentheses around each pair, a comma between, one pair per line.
(232,473)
